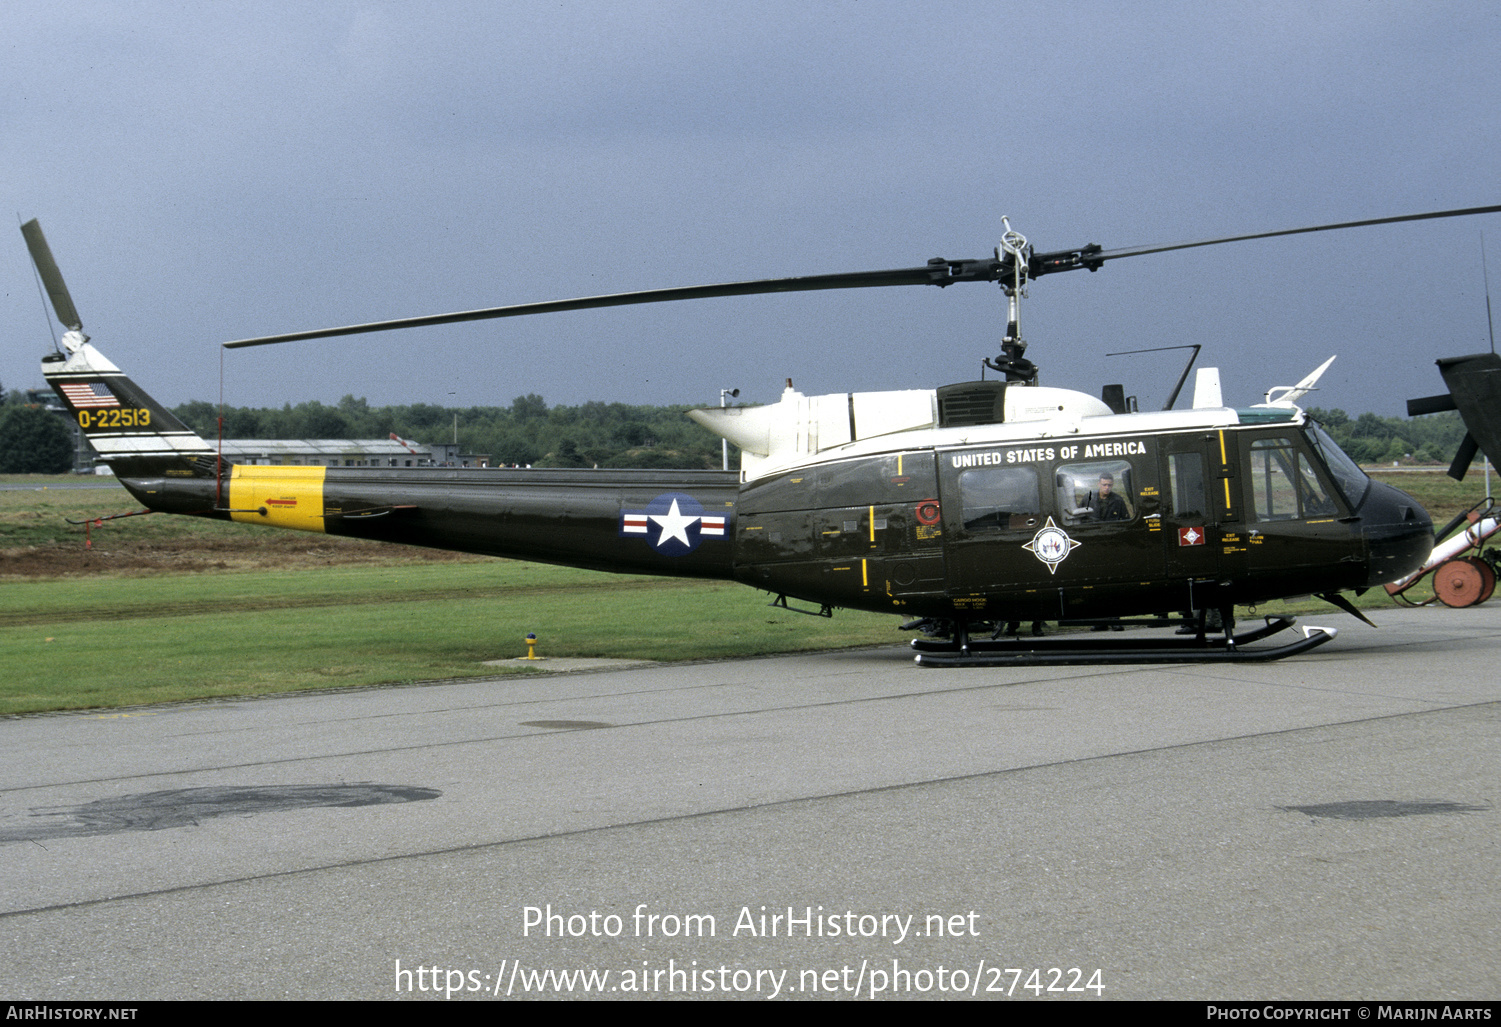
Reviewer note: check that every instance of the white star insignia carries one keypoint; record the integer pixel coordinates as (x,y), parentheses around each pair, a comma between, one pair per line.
(674,525)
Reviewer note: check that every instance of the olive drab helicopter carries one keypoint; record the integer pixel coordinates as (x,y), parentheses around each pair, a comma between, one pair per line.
(963,509)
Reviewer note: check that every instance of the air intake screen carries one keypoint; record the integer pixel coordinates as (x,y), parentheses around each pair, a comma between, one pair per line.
(971,403)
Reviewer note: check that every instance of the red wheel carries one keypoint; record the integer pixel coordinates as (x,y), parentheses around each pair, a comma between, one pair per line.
(1487,578)
(1458,584)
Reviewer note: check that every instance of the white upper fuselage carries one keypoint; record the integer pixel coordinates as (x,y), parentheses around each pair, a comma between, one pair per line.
(802,430)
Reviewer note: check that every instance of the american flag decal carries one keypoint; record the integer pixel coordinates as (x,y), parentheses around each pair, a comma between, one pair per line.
(85,395)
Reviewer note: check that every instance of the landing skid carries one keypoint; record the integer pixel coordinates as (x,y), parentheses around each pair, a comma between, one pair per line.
(1076,649)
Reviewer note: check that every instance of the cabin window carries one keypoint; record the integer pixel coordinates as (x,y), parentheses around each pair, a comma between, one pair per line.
(1284,486)
(1095,492)
(997,498)
(1186,486)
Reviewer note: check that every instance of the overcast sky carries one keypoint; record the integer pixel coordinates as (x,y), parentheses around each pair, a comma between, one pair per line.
(210,171)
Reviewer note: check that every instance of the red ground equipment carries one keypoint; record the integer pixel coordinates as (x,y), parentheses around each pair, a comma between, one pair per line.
(1464,572)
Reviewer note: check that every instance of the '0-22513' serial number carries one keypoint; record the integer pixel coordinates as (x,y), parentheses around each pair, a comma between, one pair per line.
(114,418)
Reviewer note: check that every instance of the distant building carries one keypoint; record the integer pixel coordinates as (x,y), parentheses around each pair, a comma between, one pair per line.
(388,452)
(325,452)
(328,453)
(349,453)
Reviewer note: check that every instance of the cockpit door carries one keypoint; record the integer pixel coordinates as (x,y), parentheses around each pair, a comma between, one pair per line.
(1190,514)
(1294,530)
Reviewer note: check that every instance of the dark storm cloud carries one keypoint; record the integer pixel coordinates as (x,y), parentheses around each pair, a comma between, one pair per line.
(207,172)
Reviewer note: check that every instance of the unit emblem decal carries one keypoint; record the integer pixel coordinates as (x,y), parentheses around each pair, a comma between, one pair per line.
(1190,536)
(674,523)
(1051,545)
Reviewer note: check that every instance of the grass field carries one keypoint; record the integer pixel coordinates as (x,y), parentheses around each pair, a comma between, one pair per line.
(74,643)
(165,608)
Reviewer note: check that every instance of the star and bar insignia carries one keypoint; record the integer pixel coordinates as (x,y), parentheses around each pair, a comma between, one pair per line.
(674,523)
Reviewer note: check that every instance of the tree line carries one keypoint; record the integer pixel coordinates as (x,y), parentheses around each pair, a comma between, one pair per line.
(1369,439)
(529,432)
(526,433)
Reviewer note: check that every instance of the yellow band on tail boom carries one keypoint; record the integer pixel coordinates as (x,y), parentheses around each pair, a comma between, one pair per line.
(292,497)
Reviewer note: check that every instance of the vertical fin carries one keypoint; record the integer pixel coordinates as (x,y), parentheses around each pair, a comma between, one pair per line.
(133,433)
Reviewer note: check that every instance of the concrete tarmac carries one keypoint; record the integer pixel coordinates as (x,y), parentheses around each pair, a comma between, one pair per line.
(830,825)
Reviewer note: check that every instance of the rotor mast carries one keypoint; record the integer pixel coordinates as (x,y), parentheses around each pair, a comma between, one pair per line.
(1013,254)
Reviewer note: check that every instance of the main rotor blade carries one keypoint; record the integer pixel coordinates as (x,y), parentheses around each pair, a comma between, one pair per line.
(1137,251)
(52,278)
(936,272)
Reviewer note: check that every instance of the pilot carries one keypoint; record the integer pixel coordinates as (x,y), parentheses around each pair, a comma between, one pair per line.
(1106,504)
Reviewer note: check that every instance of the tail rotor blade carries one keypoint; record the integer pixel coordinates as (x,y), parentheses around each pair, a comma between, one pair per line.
(52,278)
(1463,457)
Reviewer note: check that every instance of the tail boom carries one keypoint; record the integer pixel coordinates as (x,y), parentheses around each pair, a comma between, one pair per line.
(676,523)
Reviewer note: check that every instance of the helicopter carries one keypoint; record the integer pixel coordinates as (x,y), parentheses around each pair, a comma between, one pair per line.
(964,509)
